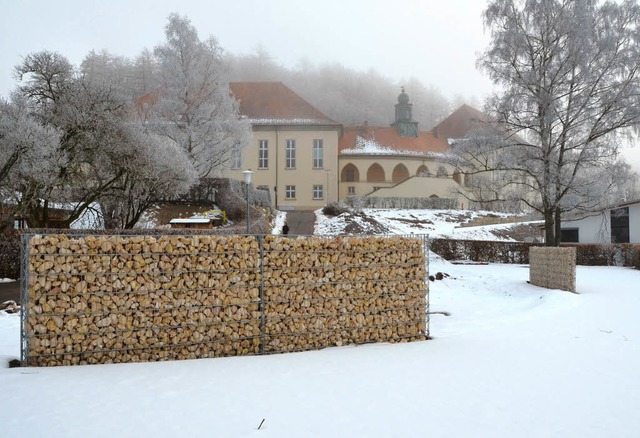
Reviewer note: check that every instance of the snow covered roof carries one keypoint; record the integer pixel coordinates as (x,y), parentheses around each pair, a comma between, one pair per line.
(627,203)
(292,121)
(380,140)
(190,220)
(372,147)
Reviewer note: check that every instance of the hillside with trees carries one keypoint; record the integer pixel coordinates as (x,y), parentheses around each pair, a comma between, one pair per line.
(345,95)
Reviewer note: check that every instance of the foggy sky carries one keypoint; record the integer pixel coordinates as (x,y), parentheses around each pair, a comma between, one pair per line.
(434,41)
(431,40)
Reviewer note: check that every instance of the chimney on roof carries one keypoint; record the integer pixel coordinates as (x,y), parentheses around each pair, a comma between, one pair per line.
(435,132)
(364,129)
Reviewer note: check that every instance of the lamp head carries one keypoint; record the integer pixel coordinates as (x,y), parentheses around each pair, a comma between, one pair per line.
(247,176)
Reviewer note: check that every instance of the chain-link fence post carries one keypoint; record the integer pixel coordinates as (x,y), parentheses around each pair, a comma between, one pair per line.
(262,321)
(426,246)
(24,299)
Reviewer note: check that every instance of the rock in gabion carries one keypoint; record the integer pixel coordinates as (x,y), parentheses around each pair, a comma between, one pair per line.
(553,267)
(109,299)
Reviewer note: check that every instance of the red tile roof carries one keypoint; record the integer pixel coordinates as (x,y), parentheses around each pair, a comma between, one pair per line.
(389,138)
(143,103)
(264,103)
(460,123)
(275,103)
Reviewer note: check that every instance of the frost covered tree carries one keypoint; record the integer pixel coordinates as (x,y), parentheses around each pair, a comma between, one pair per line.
(22,137)
(159,170)
(144,72)
(28,151)
(100,149)
(568,75)
(106,68)
(134,78)
(196,108)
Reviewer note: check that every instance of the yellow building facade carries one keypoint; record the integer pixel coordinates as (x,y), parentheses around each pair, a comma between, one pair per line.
(399,160)
(293,152)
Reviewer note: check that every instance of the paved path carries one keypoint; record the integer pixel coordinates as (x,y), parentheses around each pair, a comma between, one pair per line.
(301,222)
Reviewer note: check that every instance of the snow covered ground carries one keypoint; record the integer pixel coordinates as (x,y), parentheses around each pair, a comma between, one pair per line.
(435,223)
(511,360)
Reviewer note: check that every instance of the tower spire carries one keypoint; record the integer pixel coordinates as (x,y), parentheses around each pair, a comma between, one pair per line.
(404,124)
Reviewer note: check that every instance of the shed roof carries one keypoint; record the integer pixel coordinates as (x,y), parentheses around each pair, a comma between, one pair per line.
(190,220)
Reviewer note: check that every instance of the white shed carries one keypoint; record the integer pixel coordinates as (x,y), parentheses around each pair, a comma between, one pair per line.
(618,224)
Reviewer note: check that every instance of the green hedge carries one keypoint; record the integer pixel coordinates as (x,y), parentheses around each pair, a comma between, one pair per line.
(621,254)
(9,254)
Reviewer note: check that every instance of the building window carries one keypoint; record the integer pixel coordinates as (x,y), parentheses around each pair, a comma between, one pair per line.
(263,154)
(236,157)
(318,192)
(570,235)
(291,154)
(350,173)
(375,173)
(400,173)
(318,155)
(290,192)
(351,190)
(620,225)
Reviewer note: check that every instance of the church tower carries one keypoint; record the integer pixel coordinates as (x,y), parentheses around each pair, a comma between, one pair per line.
(404,124)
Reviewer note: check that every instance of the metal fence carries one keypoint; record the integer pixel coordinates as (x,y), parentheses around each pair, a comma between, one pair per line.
(104,299)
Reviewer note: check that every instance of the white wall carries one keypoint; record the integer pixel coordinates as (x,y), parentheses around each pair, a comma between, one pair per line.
(592,229)
(597,228)
(634,223)
(422,186)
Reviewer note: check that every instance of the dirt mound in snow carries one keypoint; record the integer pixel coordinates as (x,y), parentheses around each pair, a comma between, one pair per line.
(359,223)
(519,232)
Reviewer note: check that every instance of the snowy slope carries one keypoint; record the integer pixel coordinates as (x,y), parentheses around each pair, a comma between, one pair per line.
(435,223)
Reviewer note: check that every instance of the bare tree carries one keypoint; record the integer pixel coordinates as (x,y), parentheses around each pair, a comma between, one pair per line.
(568,74)
(44,76)
(196,108)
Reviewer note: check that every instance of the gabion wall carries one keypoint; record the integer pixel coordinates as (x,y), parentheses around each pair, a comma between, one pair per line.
(108,299)
(552,267)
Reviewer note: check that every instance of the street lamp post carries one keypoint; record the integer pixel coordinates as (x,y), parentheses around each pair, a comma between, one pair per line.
(247,180)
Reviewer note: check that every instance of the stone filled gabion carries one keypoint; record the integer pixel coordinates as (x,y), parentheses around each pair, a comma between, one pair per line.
(109,299)
(553,267)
